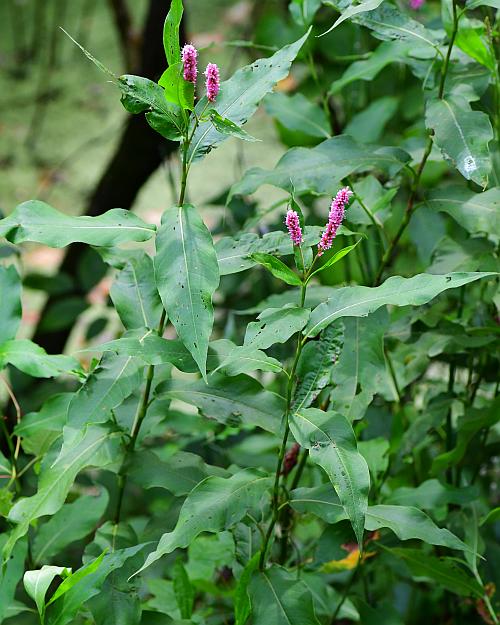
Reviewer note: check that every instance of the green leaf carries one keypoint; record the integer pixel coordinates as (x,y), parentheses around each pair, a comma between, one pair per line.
(368,125)
(187,274)
(179,474)
(184,591)
(135,296)
(353,9)
(34,360)
(472,41)
(334,259)
(331,442)
(237,400)
(242,606)
(91,58)
(275,325)
(476,212)
(322,501)
(171,32)
(321,169)
(111,382)
(468,425)
(214,505)
(10,574)
(278,598)
(303,11)
(409,523)
(315,365)
(72,522)
(432,494)
(367,69)
(446,572)
(140,95)
(236,359)
(462,135)
(151,349)
(359,301)
(298,114)
(84,584)
(40,223)
(227,127)
(235,255)
(240,95)
(277,268)
(38,430)
(36,584)
(93,446)
(473,4)
(10,296)
(176,89)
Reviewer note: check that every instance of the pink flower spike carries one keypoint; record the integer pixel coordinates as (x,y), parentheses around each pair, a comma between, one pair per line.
(293,225)
(335,217)
(416,4)
(212,81)
(189,60)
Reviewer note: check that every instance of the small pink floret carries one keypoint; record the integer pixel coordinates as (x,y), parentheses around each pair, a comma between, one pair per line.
(189,60)
(293,225)
(212,81)
(416,4)
(335,217)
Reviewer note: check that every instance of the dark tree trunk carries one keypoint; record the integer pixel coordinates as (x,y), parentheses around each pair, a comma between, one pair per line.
(139,154)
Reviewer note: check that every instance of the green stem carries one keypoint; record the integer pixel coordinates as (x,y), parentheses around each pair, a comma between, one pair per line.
(346,591)
(410,207)
(276,487)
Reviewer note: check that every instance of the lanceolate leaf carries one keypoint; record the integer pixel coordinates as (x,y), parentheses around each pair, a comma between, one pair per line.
(275,325)
(214,505)
(279,598)
(71,523)
(462,135)
(332,445)
(322,168)
(40,223)
(135,295)
(93,446)
(171,32)
(187,274)
(37,583)
(446,572)
(315,365)
(354,9)
(277,268)
(298,113)
(227,127)
(240,95)
(238,400)
(237,359)
(10,574)
(359,301)
(10,296)
(112,381)
(34,360)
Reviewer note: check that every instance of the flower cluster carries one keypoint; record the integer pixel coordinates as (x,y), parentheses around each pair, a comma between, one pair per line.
(416,4)
(335,217)
(293,225)
(190,71)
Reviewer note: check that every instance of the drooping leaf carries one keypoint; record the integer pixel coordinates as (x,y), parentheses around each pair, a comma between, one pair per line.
(212,506)
(476,212)
(278,598)
(277,268)
(331,442)
(315,365)
(187,274)
(446,572)
(37,582)
(112,381)
(235,255)
(462,135)
(135,295)
(359,301)
(10,296)
(71,523)
(179,474)
(237,400)
(34,360)
(240,95)
(275,325)
(297,113)
(354,9)
(38,222)
(322,168)
(93,446)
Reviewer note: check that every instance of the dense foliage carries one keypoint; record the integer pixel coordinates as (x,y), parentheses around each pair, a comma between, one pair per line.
(296,422)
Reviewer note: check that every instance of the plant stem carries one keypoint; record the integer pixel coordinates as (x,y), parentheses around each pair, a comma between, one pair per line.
(346,591)
(410,207)
(275,496)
